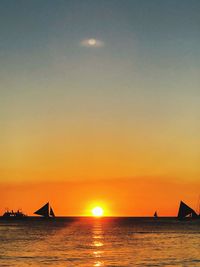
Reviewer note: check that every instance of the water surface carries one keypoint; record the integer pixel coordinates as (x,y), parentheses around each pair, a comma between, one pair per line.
(110,242)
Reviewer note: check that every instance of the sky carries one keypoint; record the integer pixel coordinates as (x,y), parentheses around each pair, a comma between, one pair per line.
(99,103)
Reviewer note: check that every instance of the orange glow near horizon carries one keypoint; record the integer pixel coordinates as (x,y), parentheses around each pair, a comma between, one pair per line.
(117,197)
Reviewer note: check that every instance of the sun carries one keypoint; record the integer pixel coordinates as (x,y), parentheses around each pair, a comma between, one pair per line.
(97,212)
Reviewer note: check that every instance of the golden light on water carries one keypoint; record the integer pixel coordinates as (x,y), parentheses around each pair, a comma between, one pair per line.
(97,211)
(98,243)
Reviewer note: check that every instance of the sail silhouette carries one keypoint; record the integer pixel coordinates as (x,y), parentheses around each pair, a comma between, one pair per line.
(45,211)
(155,214)
(185,210)
(51,212)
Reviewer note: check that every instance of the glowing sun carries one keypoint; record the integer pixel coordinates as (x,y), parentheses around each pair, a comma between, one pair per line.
(97,212)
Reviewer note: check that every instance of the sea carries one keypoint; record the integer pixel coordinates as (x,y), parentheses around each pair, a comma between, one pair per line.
(91,242)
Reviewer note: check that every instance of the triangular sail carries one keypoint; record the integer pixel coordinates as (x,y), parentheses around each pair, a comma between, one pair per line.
(185,210)
(51,212)
(43,211)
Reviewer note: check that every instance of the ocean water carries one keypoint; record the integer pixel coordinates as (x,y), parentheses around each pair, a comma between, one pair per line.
(110,242)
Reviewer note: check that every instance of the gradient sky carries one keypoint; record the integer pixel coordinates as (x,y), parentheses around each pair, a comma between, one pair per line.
(120,116)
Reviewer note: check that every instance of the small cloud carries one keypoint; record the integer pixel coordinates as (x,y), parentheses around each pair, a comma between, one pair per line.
(92,42)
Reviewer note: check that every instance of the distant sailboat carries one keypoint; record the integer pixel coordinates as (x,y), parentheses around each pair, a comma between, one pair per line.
(45,211)
(186,211)
(155,214)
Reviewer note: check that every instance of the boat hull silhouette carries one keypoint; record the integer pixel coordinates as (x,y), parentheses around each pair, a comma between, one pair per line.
(14,215)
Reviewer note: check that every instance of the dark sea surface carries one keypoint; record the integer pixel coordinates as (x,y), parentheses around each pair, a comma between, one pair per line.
(100,242)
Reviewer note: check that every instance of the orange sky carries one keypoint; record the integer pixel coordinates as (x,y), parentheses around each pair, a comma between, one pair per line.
(130,197)
(84,124)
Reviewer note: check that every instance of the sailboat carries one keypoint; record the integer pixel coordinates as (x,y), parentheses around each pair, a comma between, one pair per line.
(155,214)
(185,211)
(46,211)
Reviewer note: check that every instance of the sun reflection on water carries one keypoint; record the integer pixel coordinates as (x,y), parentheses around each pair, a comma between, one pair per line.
(98,243)
(98,263)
